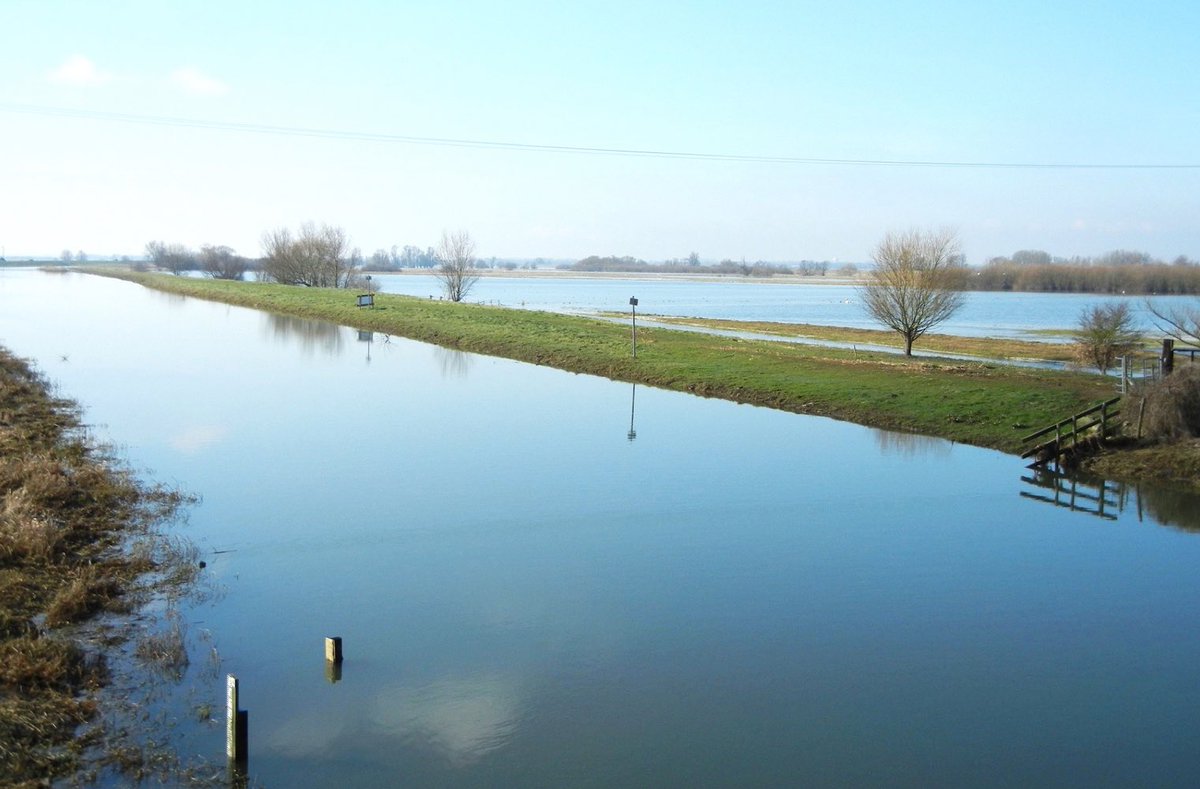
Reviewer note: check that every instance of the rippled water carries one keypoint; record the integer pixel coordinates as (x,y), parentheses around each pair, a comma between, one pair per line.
(547,579)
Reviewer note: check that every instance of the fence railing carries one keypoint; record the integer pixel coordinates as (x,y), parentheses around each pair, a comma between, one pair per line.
(1069,432)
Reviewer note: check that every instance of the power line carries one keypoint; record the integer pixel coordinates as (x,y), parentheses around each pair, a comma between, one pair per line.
(336,134)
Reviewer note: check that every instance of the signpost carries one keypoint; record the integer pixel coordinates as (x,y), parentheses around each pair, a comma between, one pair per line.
(633,308)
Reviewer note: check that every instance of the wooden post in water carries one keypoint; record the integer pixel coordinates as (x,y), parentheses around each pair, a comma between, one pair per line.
(236,723)
(333,659)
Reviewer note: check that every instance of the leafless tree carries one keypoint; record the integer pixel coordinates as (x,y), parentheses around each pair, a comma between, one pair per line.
(222,263)
(1105,332)
(318,257)
(456,264)
(175,258)
(1179,321)
(917,282)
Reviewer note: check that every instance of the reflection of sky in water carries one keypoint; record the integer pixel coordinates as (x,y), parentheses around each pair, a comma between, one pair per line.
(190,440)
(464,719)
(738,597)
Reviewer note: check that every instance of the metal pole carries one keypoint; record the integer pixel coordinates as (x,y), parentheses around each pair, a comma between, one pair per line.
(633,302)
(632,434)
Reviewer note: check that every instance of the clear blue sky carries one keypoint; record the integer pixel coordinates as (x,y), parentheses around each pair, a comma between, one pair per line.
(1014,82)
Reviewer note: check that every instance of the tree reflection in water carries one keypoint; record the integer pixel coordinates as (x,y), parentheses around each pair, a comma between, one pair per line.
(453,364)
(891,442)
(312,336)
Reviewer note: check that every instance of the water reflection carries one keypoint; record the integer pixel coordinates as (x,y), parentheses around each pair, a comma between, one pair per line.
(1169,507)
(453,364)
(632,434)
(910,444)
(1108,499)
(1096,497)
(368,338)
(460,719)
(312,336)
(193,439)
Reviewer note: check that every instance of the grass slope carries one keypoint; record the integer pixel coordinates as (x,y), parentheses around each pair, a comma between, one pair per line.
(981,404)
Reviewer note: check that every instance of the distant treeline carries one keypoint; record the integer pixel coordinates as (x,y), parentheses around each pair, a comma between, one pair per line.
(692,265)
(1117,272)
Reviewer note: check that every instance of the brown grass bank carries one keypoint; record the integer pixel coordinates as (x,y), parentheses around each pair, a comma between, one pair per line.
(77,541)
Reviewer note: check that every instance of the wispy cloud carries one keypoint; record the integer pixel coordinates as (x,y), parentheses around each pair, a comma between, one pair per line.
(192,80)
(78,70)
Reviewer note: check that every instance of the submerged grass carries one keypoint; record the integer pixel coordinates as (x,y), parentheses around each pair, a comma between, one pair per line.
(978,403)
(67,515)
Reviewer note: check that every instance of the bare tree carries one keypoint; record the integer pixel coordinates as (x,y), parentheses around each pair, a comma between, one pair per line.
(1105,332)
(1180,321)
(917,282)
(318,257)
(175,258)
(222,263)
(456,264)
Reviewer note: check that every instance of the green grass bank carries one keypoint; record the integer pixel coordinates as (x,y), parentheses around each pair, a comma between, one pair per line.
(976,403)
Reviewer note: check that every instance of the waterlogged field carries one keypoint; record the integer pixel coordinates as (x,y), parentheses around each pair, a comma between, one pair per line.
(549,579)
(985,314)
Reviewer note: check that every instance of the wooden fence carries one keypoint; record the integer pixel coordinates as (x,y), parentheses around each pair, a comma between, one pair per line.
(1097,421)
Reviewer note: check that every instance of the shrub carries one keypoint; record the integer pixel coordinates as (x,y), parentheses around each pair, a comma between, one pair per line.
(1105,332)
(1173,405)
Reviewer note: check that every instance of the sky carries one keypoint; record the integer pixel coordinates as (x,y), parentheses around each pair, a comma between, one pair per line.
(213,122)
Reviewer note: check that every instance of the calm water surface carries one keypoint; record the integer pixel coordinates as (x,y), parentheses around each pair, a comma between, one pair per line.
(985,314)
(530,597)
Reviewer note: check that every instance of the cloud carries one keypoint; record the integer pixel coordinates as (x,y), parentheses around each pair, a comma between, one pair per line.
(78,70)
(192,80)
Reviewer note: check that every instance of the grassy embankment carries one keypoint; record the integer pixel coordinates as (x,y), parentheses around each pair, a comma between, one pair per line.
(76,541)
(981,404)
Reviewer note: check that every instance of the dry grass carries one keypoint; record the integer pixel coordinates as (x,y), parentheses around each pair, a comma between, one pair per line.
(68,513)
(1173,405)
(1176,463)
(165,651)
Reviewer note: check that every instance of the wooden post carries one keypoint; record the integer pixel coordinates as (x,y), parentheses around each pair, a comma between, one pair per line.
(333,649)
(236,721)
(1141,413)
(1168,356)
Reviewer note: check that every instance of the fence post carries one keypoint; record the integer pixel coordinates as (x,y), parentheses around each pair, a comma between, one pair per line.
(1168,356)
(235,723)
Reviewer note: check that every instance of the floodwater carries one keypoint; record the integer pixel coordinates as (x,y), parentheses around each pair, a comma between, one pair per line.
(984,314)
(547,579)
